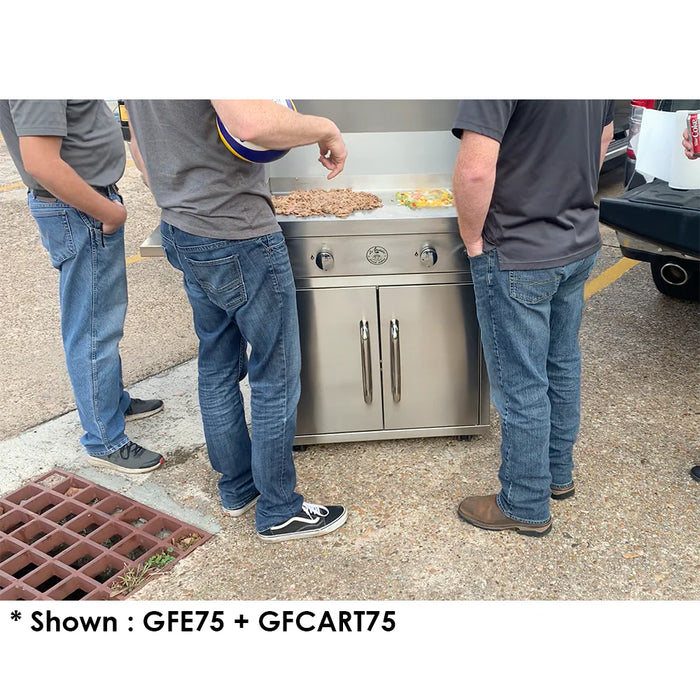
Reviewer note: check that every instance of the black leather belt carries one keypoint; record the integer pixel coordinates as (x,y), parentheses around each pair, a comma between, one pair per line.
(104,191)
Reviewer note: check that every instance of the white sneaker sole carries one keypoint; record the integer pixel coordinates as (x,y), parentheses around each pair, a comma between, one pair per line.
(237,512)
(139,416)
(125,470)
(306,534)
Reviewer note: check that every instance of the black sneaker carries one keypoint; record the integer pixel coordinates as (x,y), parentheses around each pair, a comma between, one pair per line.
(695,472)
(310,521)
(140,408)
(131,459)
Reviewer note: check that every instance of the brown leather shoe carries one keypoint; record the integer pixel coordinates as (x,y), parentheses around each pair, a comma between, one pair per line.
(483,512)
(561,494)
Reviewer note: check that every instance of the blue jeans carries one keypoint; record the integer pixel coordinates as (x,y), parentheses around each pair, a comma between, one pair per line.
(93,300)
(529,321)
(242,292)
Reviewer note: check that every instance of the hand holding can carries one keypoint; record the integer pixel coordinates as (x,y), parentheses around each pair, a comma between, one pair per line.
(691,136)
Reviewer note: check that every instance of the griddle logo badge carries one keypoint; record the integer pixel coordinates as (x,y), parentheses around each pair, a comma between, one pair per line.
(377,255)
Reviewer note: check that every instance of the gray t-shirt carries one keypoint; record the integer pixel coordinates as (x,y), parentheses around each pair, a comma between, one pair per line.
(200,186)
(542,212)
(92,141)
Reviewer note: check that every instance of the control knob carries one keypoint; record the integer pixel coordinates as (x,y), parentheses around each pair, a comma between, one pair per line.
(325,260)
(428,256)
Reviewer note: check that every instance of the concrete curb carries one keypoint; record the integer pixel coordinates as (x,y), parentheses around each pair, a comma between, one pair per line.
(176,432)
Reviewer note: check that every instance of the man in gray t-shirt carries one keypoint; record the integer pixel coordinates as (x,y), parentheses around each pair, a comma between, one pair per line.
(199,185)
(70,155)
(219,228)
(524,182)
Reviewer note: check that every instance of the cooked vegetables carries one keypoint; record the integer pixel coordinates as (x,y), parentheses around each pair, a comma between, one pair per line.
(426,198)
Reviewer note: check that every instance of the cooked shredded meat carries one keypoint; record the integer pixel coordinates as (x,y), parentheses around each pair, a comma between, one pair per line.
(324,202)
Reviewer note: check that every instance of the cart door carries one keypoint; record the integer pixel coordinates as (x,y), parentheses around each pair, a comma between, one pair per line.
(431,355)
(341,387)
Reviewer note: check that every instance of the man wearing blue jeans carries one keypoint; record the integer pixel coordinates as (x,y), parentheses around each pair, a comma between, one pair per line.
(70,155)
(524,182)
(219,229)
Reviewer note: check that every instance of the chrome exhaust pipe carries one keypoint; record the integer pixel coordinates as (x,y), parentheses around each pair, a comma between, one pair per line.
(674,274)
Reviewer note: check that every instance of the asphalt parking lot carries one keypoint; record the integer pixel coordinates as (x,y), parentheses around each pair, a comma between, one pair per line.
(629,534)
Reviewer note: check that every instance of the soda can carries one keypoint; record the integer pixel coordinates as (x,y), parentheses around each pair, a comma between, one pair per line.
(694,132)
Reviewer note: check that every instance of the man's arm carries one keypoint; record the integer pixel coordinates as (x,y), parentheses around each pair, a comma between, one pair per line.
(138,159)
(41,157)
(271,125)
(472,183)
(605,139)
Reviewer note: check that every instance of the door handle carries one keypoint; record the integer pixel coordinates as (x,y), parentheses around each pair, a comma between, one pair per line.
(366,361)
(395,360)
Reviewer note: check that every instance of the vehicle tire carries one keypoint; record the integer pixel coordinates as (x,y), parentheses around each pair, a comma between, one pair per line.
(677,278)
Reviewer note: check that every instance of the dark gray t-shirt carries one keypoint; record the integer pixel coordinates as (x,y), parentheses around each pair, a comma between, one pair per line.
(92,142)
(542,212)
(200,186)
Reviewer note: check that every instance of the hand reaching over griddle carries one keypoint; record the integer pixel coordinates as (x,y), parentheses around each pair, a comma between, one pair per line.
(271,125)
(333,154)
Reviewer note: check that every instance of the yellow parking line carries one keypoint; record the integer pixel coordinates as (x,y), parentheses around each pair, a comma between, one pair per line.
(134,258)
(14,186)
(608,276)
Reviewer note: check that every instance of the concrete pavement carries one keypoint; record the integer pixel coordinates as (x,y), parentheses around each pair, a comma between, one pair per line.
(630,532)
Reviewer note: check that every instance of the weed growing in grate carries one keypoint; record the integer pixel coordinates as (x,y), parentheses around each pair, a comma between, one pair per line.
(158,561)
(131,579)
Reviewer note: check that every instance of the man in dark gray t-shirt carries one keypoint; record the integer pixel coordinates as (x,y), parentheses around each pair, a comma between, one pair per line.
(70,155)
(524,183)
(219,228)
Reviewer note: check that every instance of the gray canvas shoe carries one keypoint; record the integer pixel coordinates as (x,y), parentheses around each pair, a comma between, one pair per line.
(130,459)
(142,408)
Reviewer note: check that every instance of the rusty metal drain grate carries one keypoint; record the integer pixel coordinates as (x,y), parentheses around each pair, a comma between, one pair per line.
(65,538)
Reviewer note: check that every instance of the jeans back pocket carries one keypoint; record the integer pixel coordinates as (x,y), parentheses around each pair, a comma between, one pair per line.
(534,286)
(56,234)
(221,279)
